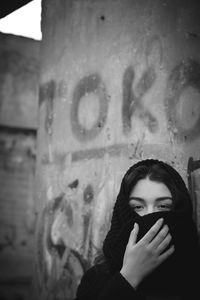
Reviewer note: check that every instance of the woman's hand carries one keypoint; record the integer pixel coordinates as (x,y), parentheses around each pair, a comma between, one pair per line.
(147,254)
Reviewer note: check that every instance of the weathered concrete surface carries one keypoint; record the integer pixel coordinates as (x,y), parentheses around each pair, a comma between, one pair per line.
(17,207)
(120,81)
(19,71)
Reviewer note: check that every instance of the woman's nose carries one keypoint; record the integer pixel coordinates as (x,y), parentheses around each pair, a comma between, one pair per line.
(151,209)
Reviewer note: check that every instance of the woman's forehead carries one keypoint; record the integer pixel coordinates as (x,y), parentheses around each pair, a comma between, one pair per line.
(147,189)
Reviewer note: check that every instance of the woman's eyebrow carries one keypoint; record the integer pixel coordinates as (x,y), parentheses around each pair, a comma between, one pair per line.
(157,199)
(163,198)
(137,199)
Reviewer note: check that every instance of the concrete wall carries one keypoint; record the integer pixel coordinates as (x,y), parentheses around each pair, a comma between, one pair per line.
(119,82)
(17,217)
(19,70)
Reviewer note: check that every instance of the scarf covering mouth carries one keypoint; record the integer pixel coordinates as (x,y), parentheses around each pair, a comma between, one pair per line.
(178,272)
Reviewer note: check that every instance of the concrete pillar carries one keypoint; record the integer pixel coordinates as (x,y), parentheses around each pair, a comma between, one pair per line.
(119,82)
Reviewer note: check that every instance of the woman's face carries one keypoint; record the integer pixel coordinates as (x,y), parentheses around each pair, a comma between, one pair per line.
(150,196)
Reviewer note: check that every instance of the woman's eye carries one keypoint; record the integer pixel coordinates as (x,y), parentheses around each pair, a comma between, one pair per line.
(137,207)
(165,207)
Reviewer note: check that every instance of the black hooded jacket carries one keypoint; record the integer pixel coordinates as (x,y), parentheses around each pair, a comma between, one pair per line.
(175,279)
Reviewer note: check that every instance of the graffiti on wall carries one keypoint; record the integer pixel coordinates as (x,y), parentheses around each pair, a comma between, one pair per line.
(60,265)
(70,230)
(132,100)
(184,78)
(48,92)
(182,84)
(89,84)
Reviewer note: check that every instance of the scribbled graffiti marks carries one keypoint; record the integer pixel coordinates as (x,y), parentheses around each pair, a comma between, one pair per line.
(59,267)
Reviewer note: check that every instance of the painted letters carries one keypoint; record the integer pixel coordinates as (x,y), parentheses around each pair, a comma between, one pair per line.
(89,84)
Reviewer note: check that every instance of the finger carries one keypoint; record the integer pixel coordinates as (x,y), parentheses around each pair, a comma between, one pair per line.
(164,244)
(133,235)
(147,238)
(166,254)
(160,237)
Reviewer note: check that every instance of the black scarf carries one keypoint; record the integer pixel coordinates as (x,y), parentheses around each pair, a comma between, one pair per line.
(178,272)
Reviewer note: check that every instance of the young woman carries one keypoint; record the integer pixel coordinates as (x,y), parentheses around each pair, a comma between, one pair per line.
(151,250)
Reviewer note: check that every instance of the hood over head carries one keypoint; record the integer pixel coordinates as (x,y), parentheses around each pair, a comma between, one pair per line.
(173,273)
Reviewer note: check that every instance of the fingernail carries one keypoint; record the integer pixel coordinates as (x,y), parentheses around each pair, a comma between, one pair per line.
(160,220)
(165,227)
